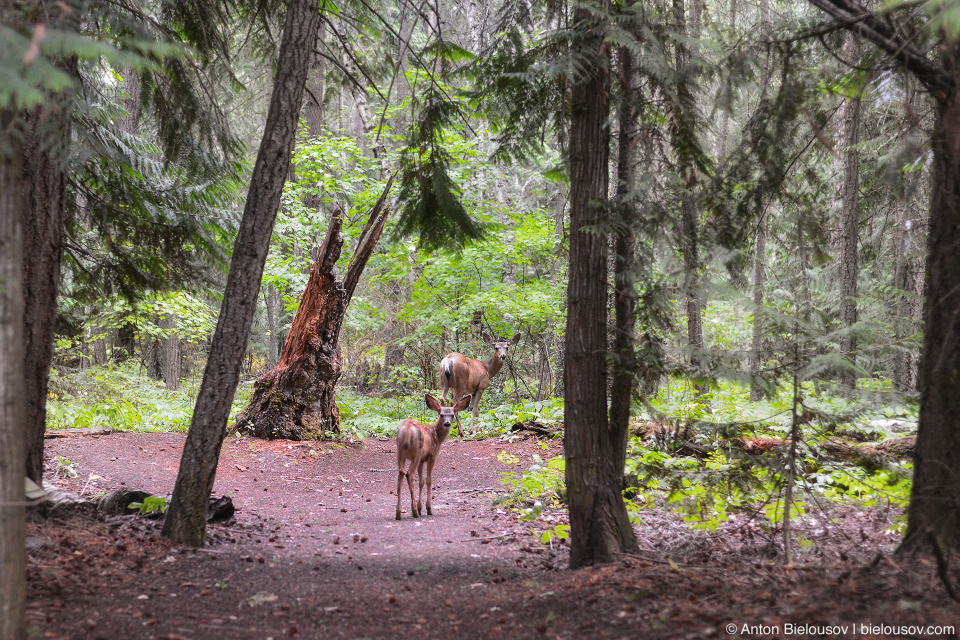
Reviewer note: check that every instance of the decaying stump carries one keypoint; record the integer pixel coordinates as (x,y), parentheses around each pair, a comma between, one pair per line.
(295,400)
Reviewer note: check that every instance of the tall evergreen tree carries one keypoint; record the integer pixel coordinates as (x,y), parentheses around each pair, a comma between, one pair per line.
(934,511)
(600,529)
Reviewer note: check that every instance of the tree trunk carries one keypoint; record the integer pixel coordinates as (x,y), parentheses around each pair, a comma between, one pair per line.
(269,293)
(908,280)
(850,196)
(170,352)
(153,352)
(757,358)
(44,200)
(186,520)
(100,349)
(313,105)
(125,344)
(295,400)
(689,216)
(13,586)
(599,526)
(625,294)
(933,516)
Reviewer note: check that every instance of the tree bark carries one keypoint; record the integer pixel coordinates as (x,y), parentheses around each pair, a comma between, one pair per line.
(933,516)
(170,352)
(296,400)
(13,587)
(909,282)
(272,348)
(313,105)
(850,197)
(689,216)
(186,521)
(599,526)
(625,293)
(44,201)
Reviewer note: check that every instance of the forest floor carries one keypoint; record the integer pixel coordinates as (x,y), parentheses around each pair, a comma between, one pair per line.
(314,551)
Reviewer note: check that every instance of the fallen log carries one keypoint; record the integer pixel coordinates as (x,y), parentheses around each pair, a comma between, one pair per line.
(77,432)
(535,427)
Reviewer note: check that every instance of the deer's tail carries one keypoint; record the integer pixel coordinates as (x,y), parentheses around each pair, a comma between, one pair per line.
(446,370)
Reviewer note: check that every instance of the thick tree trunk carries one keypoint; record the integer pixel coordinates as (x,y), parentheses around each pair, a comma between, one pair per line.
(44,200)
(599,526)
(186,520)
(850,196)
(934,511)
(295,400)
(624,367)
(13,587)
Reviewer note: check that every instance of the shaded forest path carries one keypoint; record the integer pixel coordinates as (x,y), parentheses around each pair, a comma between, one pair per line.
(315,552)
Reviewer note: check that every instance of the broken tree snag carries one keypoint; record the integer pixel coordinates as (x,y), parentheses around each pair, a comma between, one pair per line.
(295,400)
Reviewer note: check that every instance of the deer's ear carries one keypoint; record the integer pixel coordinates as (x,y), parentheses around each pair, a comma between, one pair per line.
(515,339)
(463,403)
(432,403)
(486,337)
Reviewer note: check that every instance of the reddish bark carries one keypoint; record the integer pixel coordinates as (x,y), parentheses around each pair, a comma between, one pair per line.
(295,400)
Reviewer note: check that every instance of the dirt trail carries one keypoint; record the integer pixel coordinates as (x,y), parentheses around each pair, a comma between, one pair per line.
(314,493)
(315,552)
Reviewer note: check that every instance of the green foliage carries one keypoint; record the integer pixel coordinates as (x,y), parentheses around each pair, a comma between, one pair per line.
(151,505)
(541,482)
(430,199)
(124,400)
(365,417)
(65,467)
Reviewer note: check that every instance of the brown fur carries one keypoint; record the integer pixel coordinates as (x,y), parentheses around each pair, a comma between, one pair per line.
(419,444)
(466,376)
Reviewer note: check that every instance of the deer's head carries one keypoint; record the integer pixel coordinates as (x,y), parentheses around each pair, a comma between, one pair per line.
(501,347)
(446,415)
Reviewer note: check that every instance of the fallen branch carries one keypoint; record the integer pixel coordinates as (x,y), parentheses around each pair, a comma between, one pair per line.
(78,431)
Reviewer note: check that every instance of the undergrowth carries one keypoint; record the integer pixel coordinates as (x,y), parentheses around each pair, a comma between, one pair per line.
(123,398)
(363,416)
(687,455)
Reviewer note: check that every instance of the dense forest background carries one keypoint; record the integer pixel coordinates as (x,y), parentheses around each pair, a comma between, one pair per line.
(731,198)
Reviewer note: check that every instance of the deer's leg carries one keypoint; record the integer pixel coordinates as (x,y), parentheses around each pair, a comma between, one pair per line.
(400,475)
(414,510)
(420,495)
(456,397)
(476,410)
(430,486)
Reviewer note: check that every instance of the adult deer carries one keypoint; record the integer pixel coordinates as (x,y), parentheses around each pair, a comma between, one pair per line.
(466,376)
(419,444)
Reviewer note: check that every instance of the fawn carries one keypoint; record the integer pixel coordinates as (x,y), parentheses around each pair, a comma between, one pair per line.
(419,444)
